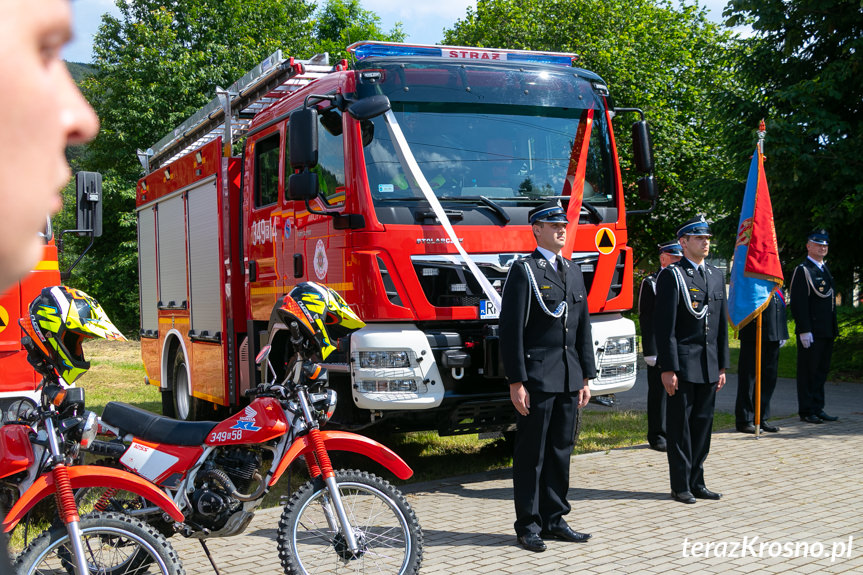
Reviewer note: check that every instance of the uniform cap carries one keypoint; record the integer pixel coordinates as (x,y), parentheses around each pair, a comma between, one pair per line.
(672,247)
(819,237)
(548,212)
(697,226)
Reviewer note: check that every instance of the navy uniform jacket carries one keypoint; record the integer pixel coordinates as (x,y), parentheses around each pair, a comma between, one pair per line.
(646,302)
(538,350)
(694,348)
(813,303)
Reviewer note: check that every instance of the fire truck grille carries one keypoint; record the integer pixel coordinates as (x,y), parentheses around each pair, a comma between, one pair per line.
(447,281)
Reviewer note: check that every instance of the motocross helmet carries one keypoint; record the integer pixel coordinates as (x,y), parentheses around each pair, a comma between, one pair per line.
(60,319)
(324,314)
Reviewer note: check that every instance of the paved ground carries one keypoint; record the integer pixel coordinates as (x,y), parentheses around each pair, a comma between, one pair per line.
(799,493)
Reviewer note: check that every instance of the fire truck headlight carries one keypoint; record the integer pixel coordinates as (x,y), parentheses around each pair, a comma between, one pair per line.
(379,359)
(619,345)
(388,386)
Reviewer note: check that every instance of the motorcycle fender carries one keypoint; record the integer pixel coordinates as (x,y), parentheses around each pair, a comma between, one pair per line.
(91,476)
(345,441)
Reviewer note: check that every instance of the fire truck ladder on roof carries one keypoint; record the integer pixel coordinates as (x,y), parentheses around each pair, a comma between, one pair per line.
(266,83)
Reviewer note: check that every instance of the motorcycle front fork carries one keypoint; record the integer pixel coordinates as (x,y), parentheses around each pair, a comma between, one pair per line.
(334,509)
(66,506)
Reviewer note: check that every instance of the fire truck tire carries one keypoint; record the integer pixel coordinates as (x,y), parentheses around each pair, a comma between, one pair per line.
(186,406)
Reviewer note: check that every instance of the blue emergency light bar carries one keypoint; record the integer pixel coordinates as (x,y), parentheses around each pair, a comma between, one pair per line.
(363,50)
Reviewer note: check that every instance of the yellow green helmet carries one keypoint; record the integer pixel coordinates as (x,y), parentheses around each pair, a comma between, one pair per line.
(328,314)
(61,318)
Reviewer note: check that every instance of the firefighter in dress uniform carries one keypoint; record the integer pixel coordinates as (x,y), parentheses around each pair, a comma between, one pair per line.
(692,355)
(774,332)
(548,357)
(669,253)
(813,305)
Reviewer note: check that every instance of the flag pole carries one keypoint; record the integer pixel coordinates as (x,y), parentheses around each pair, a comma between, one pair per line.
(758,376)
(762,131)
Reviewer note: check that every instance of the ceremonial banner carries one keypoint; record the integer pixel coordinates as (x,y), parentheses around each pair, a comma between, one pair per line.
(756,271)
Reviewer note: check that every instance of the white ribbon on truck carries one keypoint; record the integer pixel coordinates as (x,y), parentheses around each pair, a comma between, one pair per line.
(415,174)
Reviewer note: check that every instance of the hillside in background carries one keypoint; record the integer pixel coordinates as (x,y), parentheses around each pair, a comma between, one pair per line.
(79,70)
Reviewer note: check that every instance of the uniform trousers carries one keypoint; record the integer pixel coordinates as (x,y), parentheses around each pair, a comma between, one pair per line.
(656,397)
(813,364)
(744,405)
(540,461)
(689,422)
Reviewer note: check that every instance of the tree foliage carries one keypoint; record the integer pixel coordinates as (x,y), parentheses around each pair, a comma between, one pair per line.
(666,61)
(801,71)
(155,65)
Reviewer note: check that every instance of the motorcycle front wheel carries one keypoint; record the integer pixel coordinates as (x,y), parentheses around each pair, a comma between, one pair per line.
(386,528)
(114,543)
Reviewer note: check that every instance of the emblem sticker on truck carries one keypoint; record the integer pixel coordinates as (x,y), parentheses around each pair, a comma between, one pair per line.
(321,263)
(605,241)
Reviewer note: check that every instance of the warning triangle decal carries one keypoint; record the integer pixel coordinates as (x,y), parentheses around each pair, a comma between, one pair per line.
(606,240)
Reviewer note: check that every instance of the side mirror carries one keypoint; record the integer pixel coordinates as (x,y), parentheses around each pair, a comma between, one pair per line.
(647,188)
(303,186)
(642,147)
(303,138)
(88,188)
(370,107)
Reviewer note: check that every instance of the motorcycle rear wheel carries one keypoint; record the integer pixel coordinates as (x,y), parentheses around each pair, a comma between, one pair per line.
(115,544)
(386,528)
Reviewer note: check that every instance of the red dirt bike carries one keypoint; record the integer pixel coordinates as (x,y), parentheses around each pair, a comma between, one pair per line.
(106,543)
(218,473)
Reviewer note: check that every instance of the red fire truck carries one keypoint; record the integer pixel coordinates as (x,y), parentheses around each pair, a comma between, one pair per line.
(403,181)
(17,379)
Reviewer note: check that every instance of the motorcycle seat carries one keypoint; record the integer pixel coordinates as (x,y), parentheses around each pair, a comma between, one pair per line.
(156,428)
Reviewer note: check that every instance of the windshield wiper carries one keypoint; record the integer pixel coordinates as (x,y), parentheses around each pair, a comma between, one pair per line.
(591,209)
(483,200)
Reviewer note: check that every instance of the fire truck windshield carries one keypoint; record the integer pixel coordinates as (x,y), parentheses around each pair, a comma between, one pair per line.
(473,134)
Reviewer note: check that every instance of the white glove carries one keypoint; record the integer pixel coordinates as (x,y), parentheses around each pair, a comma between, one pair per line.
(806,339)
(650,360)
(782,342)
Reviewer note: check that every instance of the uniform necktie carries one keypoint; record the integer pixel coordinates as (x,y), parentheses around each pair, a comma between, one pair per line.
(561,270)
(701,271)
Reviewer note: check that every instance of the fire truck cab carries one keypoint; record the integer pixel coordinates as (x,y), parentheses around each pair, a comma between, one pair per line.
(402,181)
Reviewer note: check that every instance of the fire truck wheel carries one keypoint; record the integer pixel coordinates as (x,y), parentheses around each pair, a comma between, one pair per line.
(186,406)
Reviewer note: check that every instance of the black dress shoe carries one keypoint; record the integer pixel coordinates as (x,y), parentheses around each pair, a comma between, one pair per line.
(769,428)
(659,446)
(811,419)
(532,542)
(683,496)
(748,428)
(566,533)
(704,493)
(826,417)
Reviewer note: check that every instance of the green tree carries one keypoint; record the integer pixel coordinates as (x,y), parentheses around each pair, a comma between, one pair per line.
(801,71)
(652,56)
(155,65)
(340,23)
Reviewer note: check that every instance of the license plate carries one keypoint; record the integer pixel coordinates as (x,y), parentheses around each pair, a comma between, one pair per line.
(487,309)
